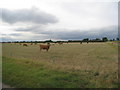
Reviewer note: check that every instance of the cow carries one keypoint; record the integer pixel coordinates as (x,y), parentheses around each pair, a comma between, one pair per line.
(80,42)
(60,43)
(25,45)
(35,43)
(44,47)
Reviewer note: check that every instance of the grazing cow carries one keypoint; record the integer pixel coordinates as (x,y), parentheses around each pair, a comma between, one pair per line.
(55,42)
(60,43)
(45,47)
(35,43)
(80,42)
(25,45)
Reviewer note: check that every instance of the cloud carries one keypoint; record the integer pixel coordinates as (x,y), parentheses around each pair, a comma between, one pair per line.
(28,29)
(37,34)
(16,34)
(65,34)
(28,36)
(110,32)
(5,37)
(9,37)
(32,15)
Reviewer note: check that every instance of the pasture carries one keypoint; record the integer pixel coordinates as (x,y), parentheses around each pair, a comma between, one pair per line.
(73,65)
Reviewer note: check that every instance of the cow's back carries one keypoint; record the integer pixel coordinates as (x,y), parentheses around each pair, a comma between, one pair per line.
(44,47)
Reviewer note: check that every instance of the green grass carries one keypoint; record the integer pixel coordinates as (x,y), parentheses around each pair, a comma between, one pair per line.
(20,73)
(0,65)
(92,65)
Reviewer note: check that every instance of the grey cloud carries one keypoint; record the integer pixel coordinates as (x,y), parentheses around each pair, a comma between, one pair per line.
(28,29)
(13,34)
(42,34)
(34,29)
(33,15)
(7,38)
(110,32)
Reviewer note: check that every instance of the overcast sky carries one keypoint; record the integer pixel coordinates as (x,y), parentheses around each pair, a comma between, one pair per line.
(58,19)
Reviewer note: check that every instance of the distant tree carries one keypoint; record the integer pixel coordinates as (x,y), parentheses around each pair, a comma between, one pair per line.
(48,41)
(80,42)
(117,39)
(104,39)
(110,40)
(69,40)
(35,42)
(85,40)
(98,39)
(113,39)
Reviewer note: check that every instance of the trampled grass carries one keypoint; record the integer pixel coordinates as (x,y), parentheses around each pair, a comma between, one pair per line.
(68,65)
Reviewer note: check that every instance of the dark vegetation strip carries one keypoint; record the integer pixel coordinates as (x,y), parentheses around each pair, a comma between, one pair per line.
(22,74)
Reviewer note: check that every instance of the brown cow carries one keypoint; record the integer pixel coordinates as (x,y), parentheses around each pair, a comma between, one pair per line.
(25,45)
(45,47)
(60,43)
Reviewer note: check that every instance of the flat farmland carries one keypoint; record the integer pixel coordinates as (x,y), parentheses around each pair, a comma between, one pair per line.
(72,65)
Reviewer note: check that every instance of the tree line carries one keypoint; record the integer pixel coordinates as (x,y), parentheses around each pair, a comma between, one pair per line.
(104,39)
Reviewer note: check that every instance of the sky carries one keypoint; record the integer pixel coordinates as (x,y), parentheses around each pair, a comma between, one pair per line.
(27,20)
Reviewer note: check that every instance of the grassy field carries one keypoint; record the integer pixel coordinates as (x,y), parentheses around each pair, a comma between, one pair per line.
(73,65)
